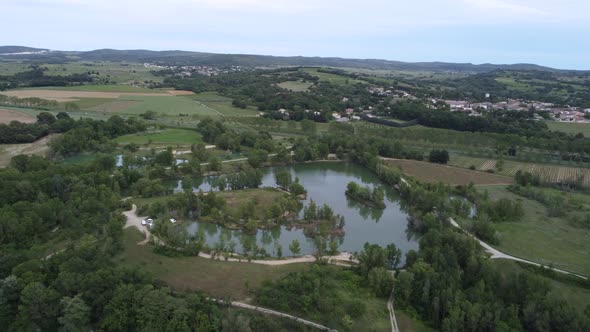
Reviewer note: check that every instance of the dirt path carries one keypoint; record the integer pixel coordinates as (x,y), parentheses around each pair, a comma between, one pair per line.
(496,254)
(275,313)
(334,260)
(392,319)
(134,220)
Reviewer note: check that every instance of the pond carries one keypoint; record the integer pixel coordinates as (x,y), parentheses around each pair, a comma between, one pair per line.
(325,183)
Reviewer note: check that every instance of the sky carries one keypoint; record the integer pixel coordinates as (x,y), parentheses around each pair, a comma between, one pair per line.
(546,32)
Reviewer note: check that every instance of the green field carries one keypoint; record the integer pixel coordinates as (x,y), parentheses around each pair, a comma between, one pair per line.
(542,239)
(570,128)
(218,278)
(162,137)
(332,78)
(295,86)
(223,105)
(576,296)
(101,88)
(406,323)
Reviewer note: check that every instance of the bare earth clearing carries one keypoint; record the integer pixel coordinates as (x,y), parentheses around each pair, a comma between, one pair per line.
(7,116)
(40,148)
(430,172)
(180,92)
(67,95)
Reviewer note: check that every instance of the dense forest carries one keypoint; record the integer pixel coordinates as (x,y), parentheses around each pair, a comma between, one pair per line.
(36,77)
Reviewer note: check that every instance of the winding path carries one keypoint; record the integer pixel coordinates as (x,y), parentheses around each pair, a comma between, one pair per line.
(394,327)
(275,313)
(496,254)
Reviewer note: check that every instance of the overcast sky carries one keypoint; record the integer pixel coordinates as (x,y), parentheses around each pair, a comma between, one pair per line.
(547,32)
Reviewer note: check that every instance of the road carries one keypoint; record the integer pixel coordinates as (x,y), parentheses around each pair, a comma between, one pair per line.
(496,254)
(394,327)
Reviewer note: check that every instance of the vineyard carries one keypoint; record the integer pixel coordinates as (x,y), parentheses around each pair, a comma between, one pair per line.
(548,173)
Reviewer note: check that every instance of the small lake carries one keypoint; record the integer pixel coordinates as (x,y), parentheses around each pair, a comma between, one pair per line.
(325,183)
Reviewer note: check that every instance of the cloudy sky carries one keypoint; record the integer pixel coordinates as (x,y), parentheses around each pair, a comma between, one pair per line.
(546,32)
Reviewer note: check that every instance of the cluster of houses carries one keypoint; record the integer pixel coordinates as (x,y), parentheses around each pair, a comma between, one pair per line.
(188,71)
(565,114)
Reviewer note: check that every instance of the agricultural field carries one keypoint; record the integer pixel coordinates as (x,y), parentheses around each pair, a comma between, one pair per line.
(72,95)
(548,173)
(430,172)
(162,137)
(570,128)
(217,278)
(540,238)
(295,86)
(40,148)
(7,116)
(124,88)
(332,78)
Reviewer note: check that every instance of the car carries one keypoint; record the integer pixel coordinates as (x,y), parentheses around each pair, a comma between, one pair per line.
(172,220)
(143,222)
(150,221)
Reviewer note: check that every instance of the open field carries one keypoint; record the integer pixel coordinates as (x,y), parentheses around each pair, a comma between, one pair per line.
(570,128)
(223,105)
(332,78)
(164,136)
(125,88)
(409,324)
(263,198)
(72,95)
(548,173)
(540,238)
(40,148)
(7,116)
(576,296)
(430,172)
(218,278)
(295,86)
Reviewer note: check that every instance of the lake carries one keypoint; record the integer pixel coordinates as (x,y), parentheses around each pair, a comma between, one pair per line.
(325,183)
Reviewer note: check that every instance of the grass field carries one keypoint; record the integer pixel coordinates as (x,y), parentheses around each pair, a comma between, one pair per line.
(576,296)
(162,137)
(570,128)
(40,148)
(542,239)
(7,116)
(102,88)
(332,78)
(548,173)
(218,278)
(263,198)
(223,105)
(407,323)
(430,172)
(62,95)
(295,86)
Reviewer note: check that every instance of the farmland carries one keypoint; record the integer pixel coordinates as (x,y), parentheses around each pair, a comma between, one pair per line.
(540,238)
(430,172)
(222,105)
(548,173)
(7,116)
(72,95)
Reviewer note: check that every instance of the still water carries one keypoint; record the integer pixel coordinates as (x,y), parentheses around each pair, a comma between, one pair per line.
(325,183)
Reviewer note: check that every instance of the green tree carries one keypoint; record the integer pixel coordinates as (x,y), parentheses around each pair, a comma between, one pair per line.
(76,314)
(295,247)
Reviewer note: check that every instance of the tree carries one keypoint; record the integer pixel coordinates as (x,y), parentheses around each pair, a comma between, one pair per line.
(283,178)
(439,156)
(256,157)
(380,281)
(308,126)
(295,247)
(393,255)
(76,314)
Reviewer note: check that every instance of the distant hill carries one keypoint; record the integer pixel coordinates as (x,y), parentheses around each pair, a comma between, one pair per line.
(9,49)
(174,57)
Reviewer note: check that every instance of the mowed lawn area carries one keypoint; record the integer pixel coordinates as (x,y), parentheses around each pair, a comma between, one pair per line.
(217,278)
(431,172)
(170,136)
(540,238)
(570,128)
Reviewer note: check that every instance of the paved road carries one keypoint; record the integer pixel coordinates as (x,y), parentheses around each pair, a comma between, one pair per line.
(496,254)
